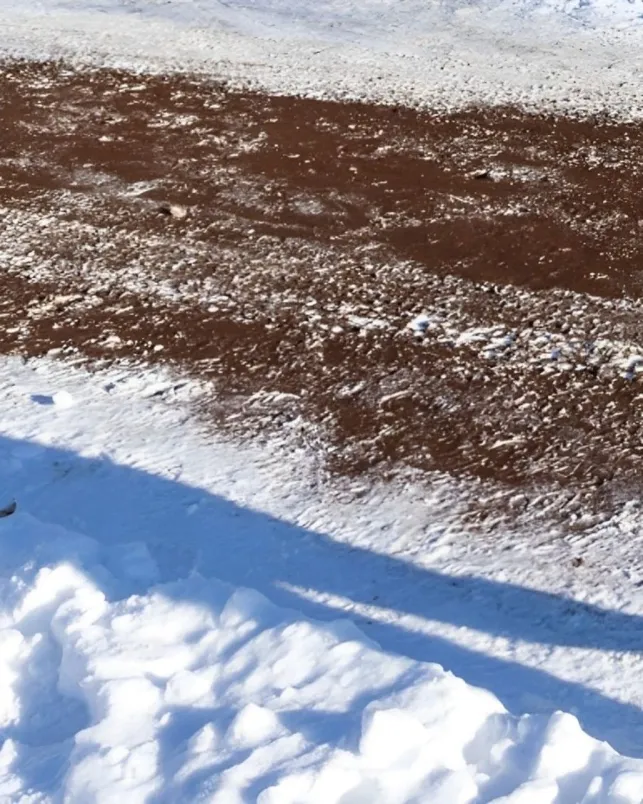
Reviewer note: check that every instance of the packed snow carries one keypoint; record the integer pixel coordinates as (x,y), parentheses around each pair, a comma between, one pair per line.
(177,624)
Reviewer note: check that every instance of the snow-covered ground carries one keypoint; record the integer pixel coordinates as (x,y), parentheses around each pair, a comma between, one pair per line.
(583,56)
(187,619)
(141,660)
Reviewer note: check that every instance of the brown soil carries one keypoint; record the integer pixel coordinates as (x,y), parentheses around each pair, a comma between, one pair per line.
(315,232)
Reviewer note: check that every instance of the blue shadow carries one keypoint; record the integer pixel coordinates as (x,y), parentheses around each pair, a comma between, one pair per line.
(186,528)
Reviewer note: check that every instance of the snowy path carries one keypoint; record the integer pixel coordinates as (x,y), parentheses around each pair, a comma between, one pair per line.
(152,682)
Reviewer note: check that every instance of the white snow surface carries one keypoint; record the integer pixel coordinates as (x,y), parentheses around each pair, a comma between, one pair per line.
(578,55)
(177,622)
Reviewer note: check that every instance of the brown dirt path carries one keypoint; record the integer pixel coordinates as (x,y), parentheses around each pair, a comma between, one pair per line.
(314,234)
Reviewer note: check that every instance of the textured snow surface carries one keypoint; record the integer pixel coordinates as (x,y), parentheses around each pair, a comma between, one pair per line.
(135,667)
(584,56)
(192,691)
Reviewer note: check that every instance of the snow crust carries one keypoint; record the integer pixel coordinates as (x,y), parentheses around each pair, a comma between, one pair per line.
(132,670)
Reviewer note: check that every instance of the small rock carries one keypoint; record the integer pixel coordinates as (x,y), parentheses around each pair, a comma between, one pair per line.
(420,324)
(176,211)
(8,510)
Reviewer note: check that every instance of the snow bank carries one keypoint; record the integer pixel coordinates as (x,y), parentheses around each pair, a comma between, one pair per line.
(194,691)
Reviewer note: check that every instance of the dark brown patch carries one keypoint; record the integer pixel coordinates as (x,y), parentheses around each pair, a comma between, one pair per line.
(317,230)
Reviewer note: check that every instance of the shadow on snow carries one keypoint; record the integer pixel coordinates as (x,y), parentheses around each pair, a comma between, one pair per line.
(186,528)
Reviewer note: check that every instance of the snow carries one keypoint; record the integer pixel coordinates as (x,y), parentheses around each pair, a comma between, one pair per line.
(166,638)
(195,690)
(183,618)
(584,56)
